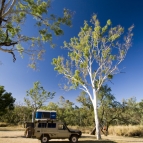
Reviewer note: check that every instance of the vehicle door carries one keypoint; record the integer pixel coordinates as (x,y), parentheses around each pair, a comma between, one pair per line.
(46,128)
(39,129)
(52,130)
(63,131)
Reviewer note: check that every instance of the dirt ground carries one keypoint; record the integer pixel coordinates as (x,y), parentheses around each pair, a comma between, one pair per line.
(17,137)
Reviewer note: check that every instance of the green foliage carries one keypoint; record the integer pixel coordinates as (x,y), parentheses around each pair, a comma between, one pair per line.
(109,22)
(18,115)
(14,15)
(133,112)
(6,101)
(85,101)
(38,96)
(64,109)
(20,49)
(86,114)
(51,106)
(110,110)
(58,62)
(110,76)
(95,49)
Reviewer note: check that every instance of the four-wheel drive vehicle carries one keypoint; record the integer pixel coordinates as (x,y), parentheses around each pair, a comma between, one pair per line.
(45,130)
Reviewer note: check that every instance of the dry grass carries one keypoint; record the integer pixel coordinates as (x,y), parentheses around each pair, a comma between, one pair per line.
(17,137)
(129,131)
(9,127)
(118,134)
(85,130)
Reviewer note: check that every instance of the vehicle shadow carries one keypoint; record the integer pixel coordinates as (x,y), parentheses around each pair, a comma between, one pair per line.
(84,140)
(87,141)
(65,141)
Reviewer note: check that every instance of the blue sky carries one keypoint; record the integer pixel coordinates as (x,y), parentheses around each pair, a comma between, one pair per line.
(18,78)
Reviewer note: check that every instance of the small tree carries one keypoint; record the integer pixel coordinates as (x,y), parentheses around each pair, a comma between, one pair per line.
(6,101)
(94,57)
(109,109)
(13,18)
(38,97)
(132,114)
(65,111)
(86,113)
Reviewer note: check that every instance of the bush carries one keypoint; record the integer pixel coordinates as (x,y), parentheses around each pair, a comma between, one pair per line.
(2,124)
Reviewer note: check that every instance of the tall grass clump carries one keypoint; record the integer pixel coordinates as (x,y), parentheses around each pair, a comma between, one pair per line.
(85,130)
(129,131)
(3,124)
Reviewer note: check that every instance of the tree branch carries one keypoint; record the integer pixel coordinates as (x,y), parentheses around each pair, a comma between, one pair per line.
(9,10)
(8,43)
(9,51)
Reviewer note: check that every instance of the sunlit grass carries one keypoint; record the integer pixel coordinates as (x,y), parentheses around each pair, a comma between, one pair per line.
(130,131)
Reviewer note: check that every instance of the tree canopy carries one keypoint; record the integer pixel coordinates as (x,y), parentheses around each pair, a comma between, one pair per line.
(37,96)
(13,18)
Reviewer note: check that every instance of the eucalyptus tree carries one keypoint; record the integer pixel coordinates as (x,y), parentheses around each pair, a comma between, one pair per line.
(93,58)
(37,96)
(14,24)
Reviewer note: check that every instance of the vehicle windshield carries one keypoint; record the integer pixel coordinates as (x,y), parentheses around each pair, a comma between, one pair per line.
(66,127)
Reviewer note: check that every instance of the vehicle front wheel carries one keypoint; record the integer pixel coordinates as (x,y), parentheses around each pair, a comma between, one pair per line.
(74,139)
(44,139)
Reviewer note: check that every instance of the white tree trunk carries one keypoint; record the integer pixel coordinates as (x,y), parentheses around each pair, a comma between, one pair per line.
(33,116)
(94,101)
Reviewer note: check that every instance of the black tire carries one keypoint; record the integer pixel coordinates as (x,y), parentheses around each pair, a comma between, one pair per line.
(74,139)
(44,139)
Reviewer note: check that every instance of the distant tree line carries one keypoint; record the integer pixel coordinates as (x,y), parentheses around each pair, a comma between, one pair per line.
(111,112)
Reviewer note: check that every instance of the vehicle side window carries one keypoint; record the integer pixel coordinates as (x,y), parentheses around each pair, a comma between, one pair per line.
(51,125)
(61,127)
(42,125)
(46,115)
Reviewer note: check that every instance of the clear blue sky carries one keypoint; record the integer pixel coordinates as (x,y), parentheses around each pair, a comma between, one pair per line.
(18,78)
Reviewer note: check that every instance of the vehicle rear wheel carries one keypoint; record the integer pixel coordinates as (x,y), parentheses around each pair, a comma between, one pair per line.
(44,139)
(74,139)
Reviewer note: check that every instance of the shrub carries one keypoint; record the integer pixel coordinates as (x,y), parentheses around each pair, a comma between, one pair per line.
(2,124)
